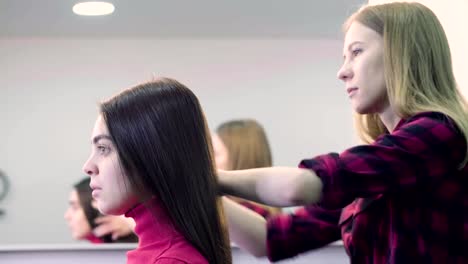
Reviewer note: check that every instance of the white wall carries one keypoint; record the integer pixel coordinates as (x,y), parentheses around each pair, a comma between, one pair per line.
(49,89)
(452,16)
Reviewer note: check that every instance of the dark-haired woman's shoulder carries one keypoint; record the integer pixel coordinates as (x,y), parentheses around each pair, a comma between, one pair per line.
(176,261)
(180,252)
(169,261)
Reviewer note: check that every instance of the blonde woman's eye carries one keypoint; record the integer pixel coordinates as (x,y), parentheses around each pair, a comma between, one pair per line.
(356,52)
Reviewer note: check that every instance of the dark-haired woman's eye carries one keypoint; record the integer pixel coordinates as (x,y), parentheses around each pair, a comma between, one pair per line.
(102,149)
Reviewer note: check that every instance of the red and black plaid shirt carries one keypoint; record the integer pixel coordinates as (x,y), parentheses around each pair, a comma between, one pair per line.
(404,199)
(256,208)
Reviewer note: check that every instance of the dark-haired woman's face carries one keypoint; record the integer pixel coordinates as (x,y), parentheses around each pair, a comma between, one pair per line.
(110,185)
(76,218)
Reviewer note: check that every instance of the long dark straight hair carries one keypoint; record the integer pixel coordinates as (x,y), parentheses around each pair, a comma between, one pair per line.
(164,146)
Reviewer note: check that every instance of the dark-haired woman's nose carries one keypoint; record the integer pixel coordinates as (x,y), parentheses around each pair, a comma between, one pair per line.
(90,168)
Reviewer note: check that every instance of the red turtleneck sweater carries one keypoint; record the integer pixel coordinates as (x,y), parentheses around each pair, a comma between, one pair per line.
(159,241)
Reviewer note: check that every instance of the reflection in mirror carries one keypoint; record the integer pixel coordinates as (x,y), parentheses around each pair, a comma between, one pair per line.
(274,62)
(82,215)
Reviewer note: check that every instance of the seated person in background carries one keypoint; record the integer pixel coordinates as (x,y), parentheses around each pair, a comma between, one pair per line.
(81,216)
(243,144)
(151,158)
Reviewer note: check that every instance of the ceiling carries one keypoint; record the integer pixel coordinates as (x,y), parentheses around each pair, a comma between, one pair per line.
(259,19)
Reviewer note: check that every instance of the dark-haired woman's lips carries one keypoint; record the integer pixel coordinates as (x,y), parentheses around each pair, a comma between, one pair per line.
(95,193)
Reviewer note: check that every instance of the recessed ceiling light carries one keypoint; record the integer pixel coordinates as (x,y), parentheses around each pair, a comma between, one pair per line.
(93,8)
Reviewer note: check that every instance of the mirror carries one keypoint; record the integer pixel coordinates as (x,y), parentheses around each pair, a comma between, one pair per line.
(4,188)
(275,61)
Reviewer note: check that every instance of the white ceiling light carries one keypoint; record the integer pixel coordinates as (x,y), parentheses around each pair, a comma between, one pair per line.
(93,8)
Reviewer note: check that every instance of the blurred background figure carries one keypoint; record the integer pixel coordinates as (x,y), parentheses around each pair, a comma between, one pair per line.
(242,144)
(81,216)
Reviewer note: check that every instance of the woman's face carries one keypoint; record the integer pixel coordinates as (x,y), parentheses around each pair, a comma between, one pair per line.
(221,154)
(363,70)
(111,188)
(76,218)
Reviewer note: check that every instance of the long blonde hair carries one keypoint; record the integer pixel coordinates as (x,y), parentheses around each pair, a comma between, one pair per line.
(417,63)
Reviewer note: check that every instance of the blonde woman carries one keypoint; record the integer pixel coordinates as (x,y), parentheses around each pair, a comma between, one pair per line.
(403,196)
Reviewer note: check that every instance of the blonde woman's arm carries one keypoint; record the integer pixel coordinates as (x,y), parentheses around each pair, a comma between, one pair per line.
(276,186)
(247,229)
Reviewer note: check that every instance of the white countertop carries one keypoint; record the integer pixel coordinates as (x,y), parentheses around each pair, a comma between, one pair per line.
(67,247)
(89,246)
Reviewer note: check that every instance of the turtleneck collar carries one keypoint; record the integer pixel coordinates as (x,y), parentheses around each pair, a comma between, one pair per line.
(151,218)
(158,237)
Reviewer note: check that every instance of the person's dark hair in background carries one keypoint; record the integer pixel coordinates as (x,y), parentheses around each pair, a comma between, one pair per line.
(91,212)
(81,216)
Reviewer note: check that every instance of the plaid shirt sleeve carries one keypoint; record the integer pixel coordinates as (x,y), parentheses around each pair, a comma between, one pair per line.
(419,150)
(307,228)
(256,208)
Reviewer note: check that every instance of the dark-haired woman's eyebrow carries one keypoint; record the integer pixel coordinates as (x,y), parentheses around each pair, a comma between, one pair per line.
(99,137)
